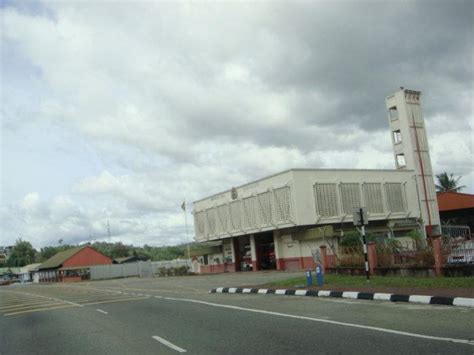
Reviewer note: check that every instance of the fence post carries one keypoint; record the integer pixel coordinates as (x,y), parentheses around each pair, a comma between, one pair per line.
(372,254)
(436,245)
(324,258)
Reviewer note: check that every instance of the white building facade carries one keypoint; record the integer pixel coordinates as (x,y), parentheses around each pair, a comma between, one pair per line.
(280,221)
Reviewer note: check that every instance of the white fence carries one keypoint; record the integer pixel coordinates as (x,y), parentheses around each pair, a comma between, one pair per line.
(140,269)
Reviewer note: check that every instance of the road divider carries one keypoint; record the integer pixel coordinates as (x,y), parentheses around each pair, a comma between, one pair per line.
(446,301)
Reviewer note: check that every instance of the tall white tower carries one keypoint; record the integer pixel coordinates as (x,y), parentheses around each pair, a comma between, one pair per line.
(410,147)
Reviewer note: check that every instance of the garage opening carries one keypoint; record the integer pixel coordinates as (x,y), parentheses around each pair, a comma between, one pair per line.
(265,249)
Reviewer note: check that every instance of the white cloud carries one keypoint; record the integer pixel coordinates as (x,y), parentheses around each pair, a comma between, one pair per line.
(184,100)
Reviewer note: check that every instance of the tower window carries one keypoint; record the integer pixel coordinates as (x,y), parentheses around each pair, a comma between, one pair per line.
(393,112)
(401,163)
(397,136)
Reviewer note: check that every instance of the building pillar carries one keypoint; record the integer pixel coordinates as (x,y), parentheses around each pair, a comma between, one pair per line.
(324,258)
(436,245)
(235,253)
(372,255)
(253,251)
(276,244)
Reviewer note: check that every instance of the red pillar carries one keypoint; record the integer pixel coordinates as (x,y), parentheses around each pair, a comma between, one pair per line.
(324,258)
(436,244)
(372,255)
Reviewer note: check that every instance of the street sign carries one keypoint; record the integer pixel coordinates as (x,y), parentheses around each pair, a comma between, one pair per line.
(359,216)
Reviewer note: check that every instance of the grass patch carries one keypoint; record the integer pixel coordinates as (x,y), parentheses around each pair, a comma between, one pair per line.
(387,281)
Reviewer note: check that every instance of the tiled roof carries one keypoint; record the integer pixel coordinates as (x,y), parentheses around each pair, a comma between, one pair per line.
(58,259)
(449,201)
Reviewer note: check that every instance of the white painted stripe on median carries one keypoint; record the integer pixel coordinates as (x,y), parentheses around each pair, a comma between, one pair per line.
(168,344)
(465,302)
(300,293)
(101,311)
(280,292)
(232,290)
(219,289)
(327,321)
(350,294)
(419,299)
(382,296)
(324,293)
(246,290)
(263,291)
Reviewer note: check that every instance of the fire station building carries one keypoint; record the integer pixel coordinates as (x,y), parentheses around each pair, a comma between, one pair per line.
(279,222)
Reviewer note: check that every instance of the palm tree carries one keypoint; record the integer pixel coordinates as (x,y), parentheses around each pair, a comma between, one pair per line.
(448,183)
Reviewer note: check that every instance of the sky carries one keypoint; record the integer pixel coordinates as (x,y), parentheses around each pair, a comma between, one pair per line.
(114,112)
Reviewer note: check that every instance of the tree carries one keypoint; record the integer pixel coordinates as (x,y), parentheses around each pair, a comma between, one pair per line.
(448,183)
(22,254)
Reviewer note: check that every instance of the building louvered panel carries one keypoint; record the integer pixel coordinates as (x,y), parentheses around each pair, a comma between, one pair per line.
(395,198)
(235,215)
(201,223)
(250,220)
(223,214)
(326,199)
(265,208)
(373,197)
(211,220)
(350,196)
(283,206)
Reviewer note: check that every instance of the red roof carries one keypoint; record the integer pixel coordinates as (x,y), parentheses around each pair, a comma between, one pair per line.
(449,201)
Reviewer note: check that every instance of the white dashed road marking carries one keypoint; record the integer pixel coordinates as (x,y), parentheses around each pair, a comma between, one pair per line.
(101,311)
(168,344)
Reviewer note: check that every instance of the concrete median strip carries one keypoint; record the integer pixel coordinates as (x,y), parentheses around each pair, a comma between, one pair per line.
(419,299)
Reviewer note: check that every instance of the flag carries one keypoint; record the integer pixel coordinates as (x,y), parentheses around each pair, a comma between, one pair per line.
(183,205)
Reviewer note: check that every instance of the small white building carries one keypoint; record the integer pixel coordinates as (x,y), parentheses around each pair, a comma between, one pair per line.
(280,221)
(27,272)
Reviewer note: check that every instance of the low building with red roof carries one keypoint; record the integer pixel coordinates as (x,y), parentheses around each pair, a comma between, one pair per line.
(456,208)
(71,265)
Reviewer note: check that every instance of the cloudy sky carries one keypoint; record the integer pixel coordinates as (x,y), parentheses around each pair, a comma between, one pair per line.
(117,111)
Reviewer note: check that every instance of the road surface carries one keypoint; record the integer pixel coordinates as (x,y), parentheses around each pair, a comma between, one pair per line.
(177,314)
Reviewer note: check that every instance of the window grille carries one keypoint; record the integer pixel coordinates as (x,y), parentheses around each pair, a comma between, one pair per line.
(250,220)
(211,220)
(373,197)
(283,206)
(395,199)
(265,208)
(222,212)
(235,215)
(326,199)
(350,195)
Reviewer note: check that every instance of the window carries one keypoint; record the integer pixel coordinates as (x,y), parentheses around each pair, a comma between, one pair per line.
(401,162)
(397,136)
(393,113)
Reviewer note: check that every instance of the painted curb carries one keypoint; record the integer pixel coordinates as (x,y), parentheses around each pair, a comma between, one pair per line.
(419,299)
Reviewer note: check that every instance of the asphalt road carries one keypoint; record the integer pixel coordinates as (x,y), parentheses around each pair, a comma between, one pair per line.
(172,315)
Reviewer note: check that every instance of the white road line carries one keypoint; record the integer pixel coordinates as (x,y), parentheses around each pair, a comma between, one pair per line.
(50,298)
(101,311)
(320,320)
(168,344)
